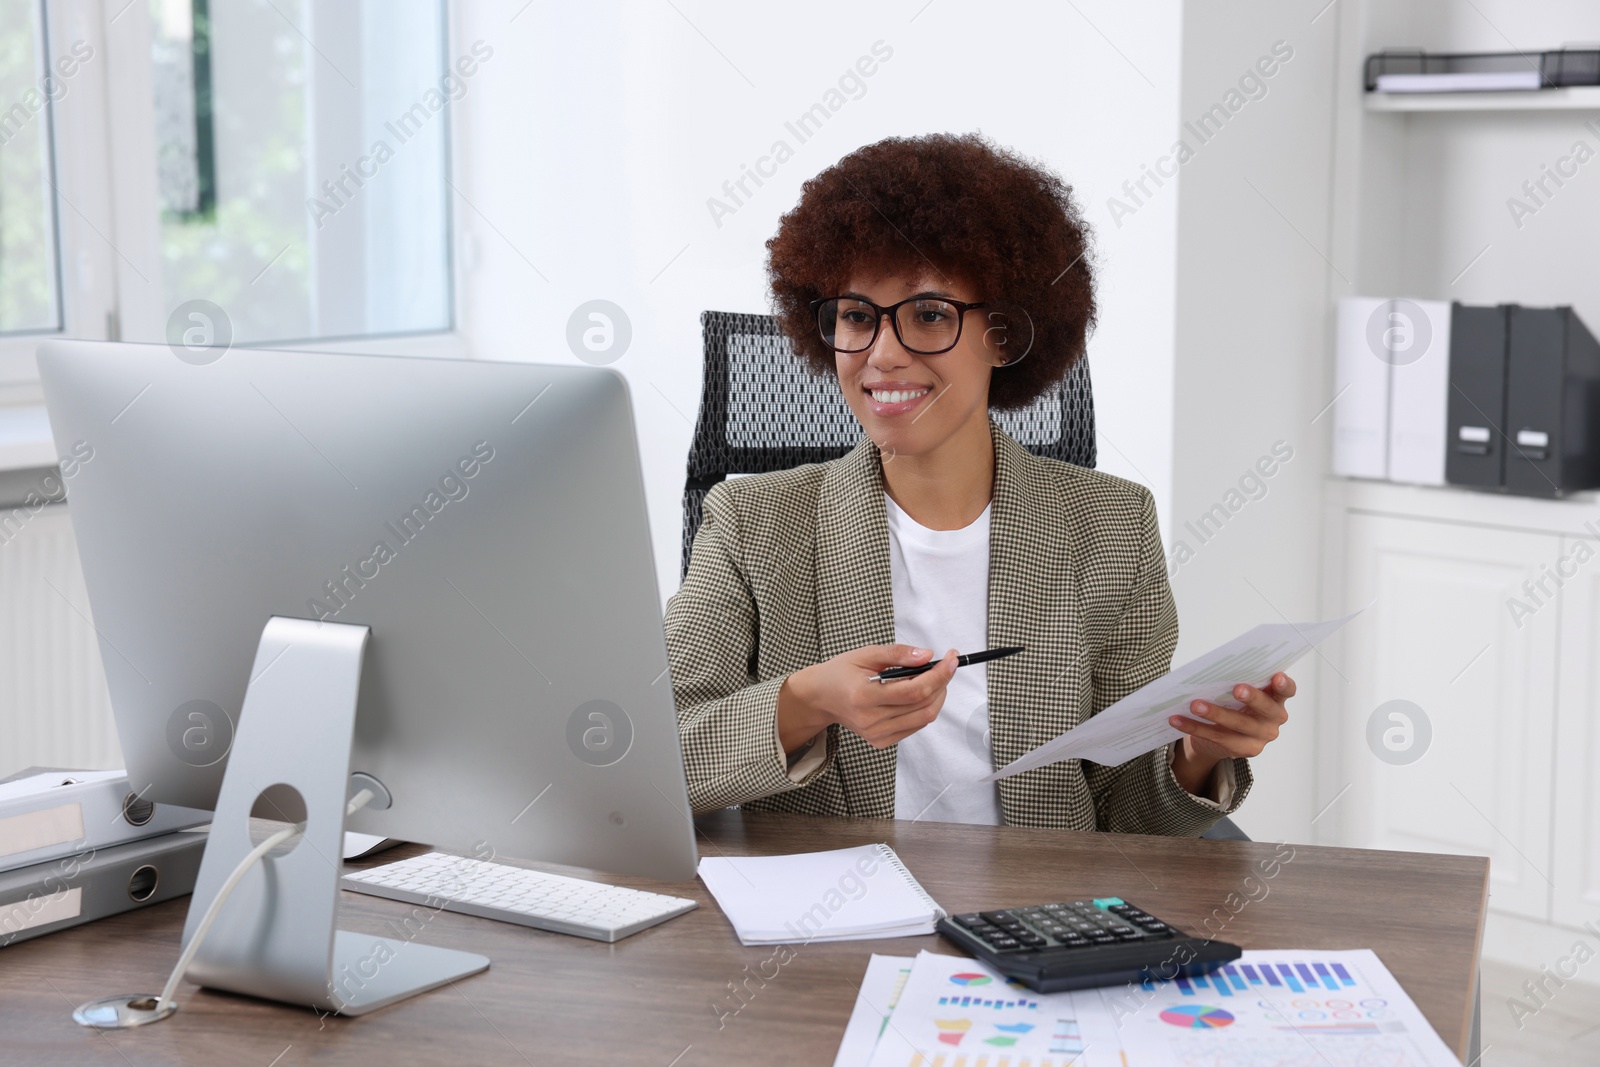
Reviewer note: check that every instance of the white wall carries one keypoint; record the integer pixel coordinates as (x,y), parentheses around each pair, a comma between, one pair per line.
(593,138)
(1250,368)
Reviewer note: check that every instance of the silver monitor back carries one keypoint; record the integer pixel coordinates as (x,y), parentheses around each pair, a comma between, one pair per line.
(486,520)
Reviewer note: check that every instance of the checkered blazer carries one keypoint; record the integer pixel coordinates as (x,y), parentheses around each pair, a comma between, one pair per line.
(792,568)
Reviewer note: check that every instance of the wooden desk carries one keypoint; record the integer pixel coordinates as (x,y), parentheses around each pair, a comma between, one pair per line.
(662,998)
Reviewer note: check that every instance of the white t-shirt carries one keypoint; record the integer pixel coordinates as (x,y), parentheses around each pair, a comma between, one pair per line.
(940,580)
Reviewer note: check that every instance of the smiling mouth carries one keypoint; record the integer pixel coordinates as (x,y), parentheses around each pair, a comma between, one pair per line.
(897,396)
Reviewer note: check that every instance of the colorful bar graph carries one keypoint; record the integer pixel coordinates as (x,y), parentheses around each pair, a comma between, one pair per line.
(1288,976)
(970,1001)
(1327,978)
(1220,984)
(1272,979)
(1184,987)
(1344,975)
(1306,976)
(1250,973)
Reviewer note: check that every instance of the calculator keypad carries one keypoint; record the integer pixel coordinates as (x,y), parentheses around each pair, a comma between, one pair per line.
(1071,924)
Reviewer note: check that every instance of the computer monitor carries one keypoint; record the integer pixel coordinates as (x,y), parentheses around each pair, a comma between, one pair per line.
(485,522)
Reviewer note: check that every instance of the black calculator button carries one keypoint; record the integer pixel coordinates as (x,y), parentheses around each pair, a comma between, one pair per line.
(970,921)
(1033,940)
(1102,939)
(1003,943)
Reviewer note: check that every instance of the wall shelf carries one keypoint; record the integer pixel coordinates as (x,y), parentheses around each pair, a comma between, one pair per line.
(1578,98)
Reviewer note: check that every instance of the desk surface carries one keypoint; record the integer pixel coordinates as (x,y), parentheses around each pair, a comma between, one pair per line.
(662,998)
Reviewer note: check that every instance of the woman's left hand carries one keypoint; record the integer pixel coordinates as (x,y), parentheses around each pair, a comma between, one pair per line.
(1229,733)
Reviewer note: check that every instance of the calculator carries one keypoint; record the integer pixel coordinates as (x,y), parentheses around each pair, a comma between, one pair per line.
(1079,944)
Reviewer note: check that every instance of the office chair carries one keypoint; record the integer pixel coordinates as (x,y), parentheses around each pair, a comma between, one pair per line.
(762,409)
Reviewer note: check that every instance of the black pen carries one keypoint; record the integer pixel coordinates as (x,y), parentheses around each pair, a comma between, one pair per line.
(891,674)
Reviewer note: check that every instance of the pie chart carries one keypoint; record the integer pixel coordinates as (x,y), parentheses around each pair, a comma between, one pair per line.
(968,978)
(1196,1017)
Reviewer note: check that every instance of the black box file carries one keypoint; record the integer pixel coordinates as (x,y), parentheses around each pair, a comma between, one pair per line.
(1474,444)
(1552,403)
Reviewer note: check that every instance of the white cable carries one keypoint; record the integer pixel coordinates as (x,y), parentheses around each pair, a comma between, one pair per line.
(357,802)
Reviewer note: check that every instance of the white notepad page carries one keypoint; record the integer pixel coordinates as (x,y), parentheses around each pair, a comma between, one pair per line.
(848,894)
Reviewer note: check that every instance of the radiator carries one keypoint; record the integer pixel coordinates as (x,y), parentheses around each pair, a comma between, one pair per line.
(54,709)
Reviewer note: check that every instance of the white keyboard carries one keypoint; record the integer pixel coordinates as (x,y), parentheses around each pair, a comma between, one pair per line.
(517,895)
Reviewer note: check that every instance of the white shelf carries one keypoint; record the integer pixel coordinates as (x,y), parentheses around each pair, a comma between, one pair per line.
(1578,98)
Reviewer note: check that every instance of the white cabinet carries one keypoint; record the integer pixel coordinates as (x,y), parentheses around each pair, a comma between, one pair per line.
(1485,614)
(1577,765)
(1465,766)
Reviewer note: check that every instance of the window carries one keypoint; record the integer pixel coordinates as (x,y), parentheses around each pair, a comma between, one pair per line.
(284,161)
(299,177)
(29,292)
(298,185)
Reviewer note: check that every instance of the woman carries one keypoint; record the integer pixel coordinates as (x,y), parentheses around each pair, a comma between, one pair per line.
(901,272)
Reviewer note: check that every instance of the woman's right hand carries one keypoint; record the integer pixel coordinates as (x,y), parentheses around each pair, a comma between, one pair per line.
(840,690)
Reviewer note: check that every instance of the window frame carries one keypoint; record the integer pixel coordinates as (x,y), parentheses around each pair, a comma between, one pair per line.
(90,132)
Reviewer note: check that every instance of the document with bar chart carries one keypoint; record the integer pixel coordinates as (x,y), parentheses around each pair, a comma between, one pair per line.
(1275,1008)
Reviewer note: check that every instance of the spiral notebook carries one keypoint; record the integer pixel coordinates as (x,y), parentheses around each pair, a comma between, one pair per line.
(848,894)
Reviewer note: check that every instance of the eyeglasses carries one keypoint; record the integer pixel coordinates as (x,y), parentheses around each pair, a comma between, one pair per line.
(925,325)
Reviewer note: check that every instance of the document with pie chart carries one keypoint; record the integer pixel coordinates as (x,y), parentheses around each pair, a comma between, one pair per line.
(1283,1009)
(953,1010)
(1270,1008)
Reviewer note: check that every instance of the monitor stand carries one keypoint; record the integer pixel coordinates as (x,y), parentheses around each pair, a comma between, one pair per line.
(275,937)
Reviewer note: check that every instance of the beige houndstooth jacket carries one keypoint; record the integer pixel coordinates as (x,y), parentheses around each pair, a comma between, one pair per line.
(792,568)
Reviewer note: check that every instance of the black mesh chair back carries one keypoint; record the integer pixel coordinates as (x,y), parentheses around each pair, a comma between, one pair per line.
(762,409)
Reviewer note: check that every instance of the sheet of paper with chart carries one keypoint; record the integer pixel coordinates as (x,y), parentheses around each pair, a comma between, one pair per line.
(1271,1008)
(953,1009)
(875,1000)
(1138,722)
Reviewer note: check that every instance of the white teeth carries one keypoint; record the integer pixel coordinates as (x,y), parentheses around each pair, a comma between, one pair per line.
(896,396)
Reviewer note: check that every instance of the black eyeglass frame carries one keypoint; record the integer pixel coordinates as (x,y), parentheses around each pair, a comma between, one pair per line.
(961,306)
